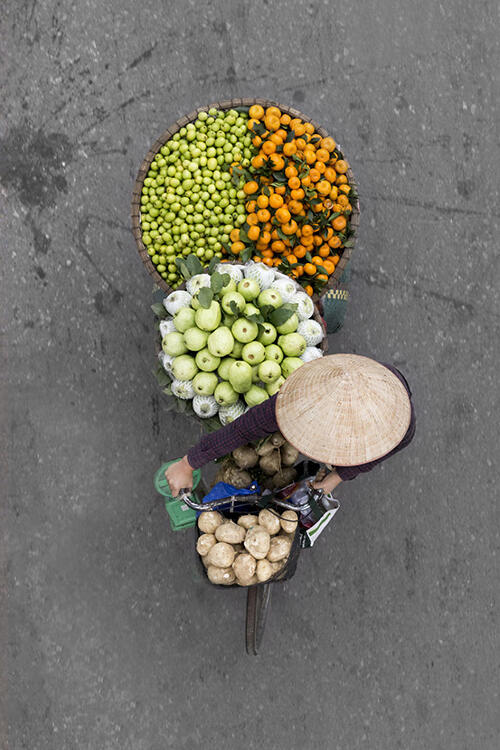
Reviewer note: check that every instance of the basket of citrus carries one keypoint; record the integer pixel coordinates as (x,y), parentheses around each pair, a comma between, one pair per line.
(247,179)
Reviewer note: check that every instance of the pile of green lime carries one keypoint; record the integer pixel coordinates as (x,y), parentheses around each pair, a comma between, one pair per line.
(189,204)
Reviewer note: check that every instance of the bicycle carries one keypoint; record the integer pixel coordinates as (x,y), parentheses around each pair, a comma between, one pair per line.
(259,594)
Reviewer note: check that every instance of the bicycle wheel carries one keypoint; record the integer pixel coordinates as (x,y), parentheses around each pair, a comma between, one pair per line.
(258,599)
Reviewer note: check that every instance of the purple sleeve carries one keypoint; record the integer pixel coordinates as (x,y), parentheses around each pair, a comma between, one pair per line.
(351,472)
(256,423)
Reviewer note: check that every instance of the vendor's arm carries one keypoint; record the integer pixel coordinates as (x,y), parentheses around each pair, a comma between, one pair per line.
(258,422)
(328,483)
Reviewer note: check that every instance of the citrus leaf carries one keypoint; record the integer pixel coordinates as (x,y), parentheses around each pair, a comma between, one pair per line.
(245,254)
(234,307)
(280,316)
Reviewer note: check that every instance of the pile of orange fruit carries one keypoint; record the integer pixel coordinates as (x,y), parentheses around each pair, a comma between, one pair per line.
(297,199)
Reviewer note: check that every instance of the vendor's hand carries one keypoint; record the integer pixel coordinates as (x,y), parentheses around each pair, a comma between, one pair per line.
(329,483)
(179,476)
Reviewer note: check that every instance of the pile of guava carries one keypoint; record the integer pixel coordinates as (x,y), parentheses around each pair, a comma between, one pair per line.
(232,337)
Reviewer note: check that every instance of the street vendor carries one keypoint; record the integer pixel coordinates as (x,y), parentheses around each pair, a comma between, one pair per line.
(343,410)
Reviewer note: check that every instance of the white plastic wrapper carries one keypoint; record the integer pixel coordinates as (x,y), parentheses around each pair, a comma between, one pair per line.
(183,389)
(166,362)
(166,326)
(305,305)
(312,331)
(310,353)
(261,273)
(198,282)
(205,406)
(176,300)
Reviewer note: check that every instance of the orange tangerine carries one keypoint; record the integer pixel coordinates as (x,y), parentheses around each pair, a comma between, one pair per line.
(290,227)
(237,247)
(263,215)
(250,187)
(334,242)
(275,200)
(250,206)
(328,143)
(271,122)
(341,166)
(253,232)
(234,235)
(273,111)
(283,215)
(322,154)
(310,269)
(339,223)
(262,201)
(252,219)
(277,162)
(289,148)
(291,171)
(256,112)
(278,246)
(323,187)
(294,183)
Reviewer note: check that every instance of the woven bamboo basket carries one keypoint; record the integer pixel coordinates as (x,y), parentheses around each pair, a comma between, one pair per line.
(182,122)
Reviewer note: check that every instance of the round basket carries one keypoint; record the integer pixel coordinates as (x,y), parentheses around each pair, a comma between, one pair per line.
(229,104)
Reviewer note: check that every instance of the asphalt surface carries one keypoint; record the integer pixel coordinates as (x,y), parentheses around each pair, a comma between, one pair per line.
(387,637)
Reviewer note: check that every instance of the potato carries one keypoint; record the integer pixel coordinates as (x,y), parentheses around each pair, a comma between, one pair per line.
(230,532)
(271,463)
(253,580)
(277,566)
(244,567)
(245,456)
(279,548)
(224,576)
(209,520)
(257,542)
(248,521)
(289,520)
(269,521)
(205,561)
(239,478)
(289,454)
(221,555)
(204,544)
(264,570)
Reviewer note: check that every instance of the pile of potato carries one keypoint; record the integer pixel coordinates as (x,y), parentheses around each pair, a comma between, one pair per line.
(270,462)
(250,551)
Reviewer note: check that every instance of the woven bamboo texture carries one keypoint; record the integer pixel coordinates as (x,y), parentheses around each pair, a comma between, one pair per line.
(164,137)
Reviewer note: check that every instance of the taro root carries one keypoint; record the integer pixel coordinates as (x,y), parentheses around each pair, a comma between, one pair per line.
(270,521)
(224,576)
(221,555)
(244,567)
(230,532)
(247,521)
(204,544)
(245,456)
(289,519)
(237,477)
(289,454)
(277,566)
(257,542)
(209,520)
(279,548)
(264,448)
(284,477)
(277,439)
(264,570)
(271,463)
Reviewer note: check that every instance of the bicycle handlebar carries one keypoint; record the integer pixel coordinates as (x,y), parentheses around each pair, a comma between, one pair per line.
(234,500)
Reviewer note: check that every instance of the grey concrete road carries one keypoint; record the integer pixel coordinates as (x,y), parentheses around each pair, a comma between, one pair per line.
(387,638)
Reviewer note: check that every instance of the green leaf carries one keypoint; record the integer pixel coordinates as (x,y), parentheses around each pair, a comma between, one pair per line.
(205,296)
(244,236)
(246,254)
(266,191)
(266,310)
(184,270)
(193,264)
(255,318)
(161,376)
(280,316)
(225,279)
(168,390)
(280,176)
(216,282)
(308,257)
(159,310)
(213,262)
(290,136)
(316,139)
(234,308)
(349,243)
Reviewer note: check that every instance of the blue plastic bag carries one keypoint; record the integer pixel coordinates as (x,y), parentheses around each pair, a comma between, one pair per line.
(221,490)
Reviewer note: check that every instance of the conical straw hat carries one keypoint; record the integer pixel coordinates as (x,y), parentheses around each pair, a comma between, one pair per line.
(343,409)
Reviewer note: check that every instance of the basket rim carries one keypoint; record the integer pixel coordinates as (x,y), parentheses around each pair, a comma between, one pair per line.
(333,280)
